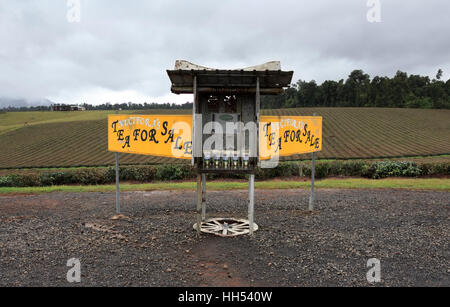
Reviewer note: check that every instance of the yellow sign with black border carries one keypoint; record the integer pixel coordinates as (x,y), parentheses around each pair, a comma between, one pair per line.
(155,135)
(171,135)
(289,135)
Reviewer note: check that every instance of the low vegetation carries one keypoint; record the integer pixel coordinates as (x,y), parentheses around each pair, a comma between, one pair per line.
(78,139)
(173,172)
(348,183)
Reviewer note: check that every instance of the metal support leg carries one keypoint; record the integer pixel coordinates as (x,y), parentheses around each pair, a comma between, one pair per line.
(251,194)
(313,171)
(199,202)
(117,185)
(203,197)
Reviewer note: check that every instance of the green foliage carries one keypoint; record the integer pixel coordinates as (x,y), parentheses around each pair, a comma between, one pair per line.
(173,172)
(400,91)
(353,168)
(31,180)
(134,173)
(433,169)
(419,102)
(167,172)
(57,178)
(347,133)
(392,169)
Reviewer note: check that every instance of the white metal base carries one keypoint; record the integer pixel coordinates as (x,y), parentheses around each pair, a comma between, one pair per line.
(226,227)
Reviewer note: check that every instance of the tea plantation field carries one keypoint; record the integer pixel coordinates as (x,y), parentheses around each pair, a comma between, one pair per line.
(72,139)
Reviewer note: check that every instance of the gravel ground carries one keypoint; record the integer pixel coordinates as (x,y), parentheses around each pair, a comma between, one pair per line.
(157,246)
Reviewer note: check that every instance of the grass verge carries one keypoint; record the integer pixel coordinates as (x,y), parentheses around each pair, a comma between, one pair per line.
(354,183)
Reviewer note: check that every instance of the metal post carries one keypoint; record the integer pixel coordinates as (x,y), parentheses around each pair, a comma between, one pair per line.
(194,111)
(257,111)
(251,192)
(313,170)
(199,202)
(203,197)
(117,185)
(313,173)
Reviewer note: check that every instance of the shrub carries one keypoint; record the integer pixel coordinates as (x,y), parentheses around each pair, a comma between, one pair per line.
(5,181)
(283,169)
(393,169)
(321,170)
(173,172)
(287,169)
(29,180)
(442,168)
(352,168)
(265,173)
(306,169)
(90,176)
(145,173)
(110,174)
(165,172)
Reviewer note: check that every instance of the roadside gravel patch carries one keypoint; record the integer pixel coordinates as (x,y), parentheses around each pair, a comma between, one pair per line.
(157,246)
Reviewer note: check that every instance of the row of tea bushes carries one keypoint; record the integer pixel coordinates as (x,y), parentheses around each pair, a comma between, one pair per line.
(170,172)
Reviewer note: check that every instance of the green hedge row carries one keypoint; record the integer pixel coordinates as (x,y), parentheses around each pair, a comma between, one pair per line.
(96,176)
(166,172)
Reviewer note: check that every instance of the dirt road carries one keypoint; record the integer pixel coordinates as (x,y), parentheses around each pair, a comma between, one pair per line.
(408,231)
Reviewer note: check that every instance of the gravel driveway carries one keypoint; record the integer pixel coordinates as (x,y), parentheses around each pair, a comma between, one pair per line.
(408,231)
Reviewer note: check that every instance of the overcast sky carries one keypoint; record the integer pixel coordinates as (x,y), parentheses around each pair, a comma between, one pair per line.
(120,50)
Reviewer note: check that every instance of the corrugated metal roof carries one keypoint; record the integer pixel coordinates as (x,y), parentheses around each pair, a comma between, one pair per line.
(271,81)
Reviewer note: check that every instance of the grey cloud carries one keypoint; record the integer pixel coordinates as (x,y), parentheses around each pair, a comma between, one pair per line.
(128,45)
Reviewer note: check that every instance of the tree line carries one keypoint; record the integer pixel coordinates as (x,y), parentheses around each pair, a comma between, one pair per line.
(137,106)
(106,106)
(359,90)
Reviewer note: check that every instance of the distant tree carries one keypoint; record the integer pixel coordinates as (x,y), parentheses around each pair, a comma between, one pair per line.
(329,93)
(291,97)
(308,93)
(399,90)
(356,88)
(379,93)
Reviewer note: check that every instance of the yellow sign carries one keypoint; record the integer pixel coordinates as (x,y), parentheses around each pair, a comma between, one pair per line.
(171,135)
(156,135)
(289,135)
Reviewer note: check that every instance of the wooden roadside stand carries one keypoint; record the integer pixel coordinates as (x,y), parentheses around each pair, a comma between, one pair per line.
(224,135)
(226,97)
